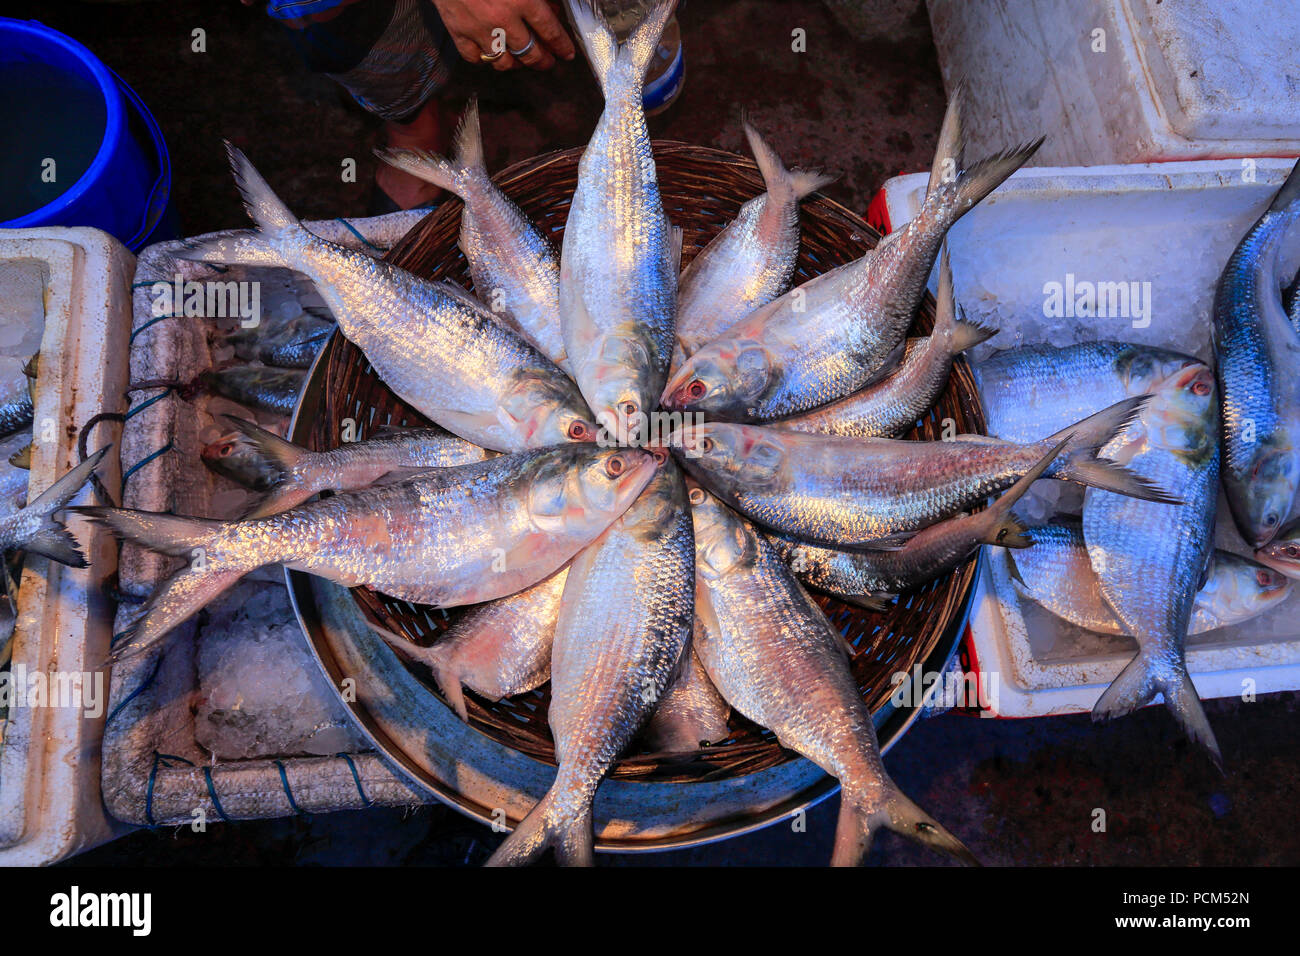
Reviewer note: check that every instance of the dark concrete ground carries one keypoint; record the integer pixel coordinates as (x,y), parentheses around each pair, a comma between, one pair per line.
(1018,792)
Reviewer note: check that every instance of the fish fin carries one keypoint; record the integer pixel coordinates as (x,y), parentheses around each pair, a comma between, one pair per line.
(236,247)
(860,815)
(467,145)
(643,39)
(175,601)
(979,179)
(280,498)
(949,151)
(997,523)
(263,205)
(1137,685)
(950,321)
(878,601)
(1289,193)
(572,838)
(422,164)
(169,534)
(273,219)
(1079,461)
(676,239)
(51,539)
(597,39)
(449,681)
(783,185)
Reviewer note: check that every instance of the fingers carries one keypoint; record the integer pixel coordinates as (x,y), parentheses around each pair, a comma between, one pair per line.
(543,22)
(527,49)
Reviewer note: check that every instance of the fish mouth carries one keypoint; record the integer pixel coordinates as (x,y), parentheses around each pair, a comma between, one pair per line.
(1288,568)
(682,391)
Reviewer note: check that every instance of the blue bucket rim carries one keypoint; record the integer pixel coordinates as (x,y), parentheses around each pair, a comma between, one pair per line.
(114,119)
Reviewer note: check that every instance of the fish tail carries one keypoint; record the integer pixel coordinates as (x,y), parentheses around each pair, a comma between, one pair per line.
(282,456)
(998,525)
(450,174)
(51,539)
(979,179)
(448,680)
(949,151)
(1080,461)
(783,185)
(273,219)
(547,826)
(949,321)
(1137,686)
(208,574)
(861,814)
(629,60)
(598,40)
(641,43)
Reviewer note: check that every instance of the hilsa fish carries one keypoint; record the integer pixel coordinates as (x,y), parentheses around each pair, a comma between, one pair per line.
(1151,557)
(620,257)
(274,390)
(1283,552)
(834,334)
(497,650)
(391,455)
(446,537)
(847,493)
(775,657)
(1029,390)
(1257,353)
(751,261)
(515,268)
(867,578)
(1057,573)
(38,529)
(692,712)
(432,343)
(892,405)
(625,622)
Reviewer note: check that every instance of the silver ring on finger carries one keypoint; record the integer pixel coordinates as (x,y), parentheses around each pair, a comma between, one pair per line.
(532,42)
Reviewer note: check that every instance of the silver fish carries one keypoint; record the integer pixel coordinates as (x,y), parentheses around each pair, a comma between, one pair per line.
(432,343)
(1057,573)
(1257,353)
(285,341)
(831,336)
(1283,552)
(620,258)
(498,649)
(893,404)
(515,268)
(692,713)
(845,492)
(771,652)
(1027,391)
(447,537)
(232,457)
(394,454)
(269,389)
(1151,558)
(36,529)
(15,396)
(625,620)
(866,578)
(750,262)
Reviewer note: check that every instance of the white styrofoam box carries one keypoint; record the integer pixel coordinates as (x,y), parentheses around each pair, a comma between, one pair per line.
(76,283)
(1169,227)
(1125,81)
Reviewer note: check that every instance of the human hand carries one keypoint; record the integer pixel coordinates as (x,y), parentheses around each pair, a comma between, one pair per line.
(472,23)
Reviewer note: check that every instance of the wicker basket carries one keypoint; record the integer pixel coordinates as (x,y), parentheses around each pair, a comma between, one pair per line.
(703,190)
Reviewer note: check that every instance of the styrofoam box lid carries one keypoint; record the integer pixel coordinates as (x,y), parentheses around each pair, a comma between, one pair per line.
(1221,69)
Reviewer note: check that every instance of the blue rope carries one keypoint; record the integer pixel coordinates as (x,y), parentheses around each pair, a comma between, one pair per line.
(284,782)
(146,403)
(157,318)
(153,775)
(138,691)
(144,461)
(353,229)
(212,792)
(366,802)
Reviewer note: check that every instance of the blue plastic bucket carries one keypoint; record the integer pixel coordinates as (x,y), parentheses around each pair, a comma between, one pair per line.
(125,184)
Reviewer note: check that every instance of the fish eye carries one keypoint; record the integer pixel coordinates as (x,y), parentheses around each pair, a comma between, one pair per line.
(696,496)
(629,408)
(696,389)
(615,466)
(705,445)
(226,450)
(1271,520)
(1201,388)
(660,455)
(578,431)
(1293,550)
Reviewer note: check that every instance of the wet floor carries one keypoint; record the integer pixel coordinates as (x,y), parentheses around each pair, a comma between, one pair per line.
(1018,792)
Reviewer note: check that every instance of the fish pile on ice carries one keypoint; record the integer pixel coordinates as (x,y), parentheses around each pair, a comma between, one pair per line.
(656,585)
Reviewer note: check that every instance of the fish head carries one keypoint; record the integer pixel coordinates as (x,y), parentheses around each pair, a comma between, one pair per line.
(582,494)
(1146,369)
(547,410)
(727,378)
(230,456)
(1183,415)
(1262,497)
(1238,589)
(732,457)
(619,383)
(1282,554)
(723,540)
